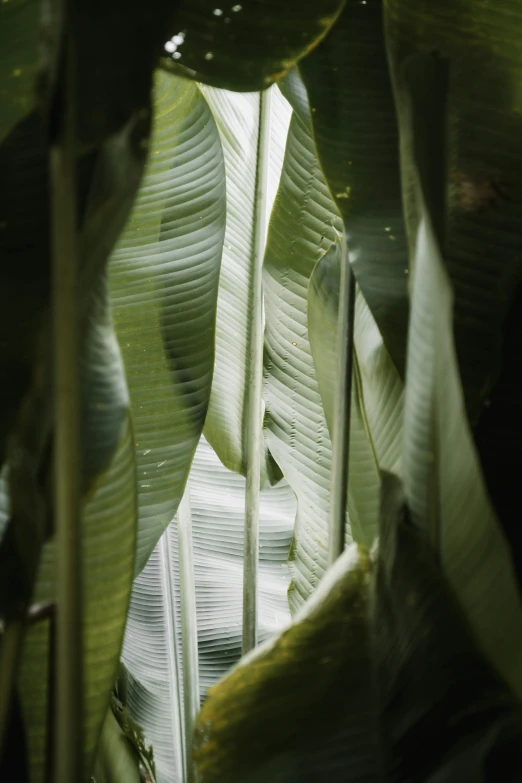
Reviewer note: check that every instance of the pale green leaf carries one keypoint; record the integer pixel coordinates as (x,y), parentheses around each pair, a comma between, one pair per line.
(152,650)
(237,117)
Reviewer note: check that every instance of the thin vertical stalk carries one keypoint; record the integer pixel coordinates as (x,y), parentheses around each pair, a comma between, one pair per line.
(174,679)
(342,409)
(10,651)
(254,438)
(69,658)
(189,630)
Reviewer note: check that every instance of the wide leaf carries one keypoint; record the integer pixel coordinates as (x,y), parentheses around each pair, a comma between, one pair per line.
(378,679)
(164,277)
(247,46)
(152,650)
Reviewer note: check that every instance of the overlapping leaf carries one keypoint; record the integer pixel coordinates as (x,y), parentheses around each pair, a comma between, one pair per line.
(19,34)
(247,46)
(382,409)
(295,426)
(163,285)
(237,117)
(482,187)
(355,130)
(377,679)
(302,293)
(109,529)
(152,650)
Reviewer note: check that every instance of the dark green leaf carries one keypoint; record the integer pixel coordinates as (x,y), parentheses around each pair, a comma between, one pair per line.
(480,113)
(19,41)
(444,485)
(247,46)
(355,130)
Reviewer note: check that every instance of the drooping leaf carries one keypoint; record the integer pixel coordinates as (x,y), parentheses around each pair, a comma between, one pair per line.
(19,33)
(237,117)
(247,46)
(163,285)
(378,679)
(354,123)
(152,650)
(444,484)
(481,182)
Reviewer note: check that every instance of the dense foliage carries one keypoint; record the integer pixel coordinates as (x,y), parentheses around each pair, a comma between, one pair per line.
(392,131)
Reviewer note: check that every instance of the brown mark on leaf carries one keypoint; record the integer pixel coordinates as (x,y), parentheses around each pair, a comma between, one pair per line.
(477,192)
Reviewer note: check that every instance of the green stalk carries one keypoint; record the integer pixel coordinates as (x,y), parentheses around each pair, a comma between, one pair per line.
(342,409)
(254,435)
(174,679)
(189,630)
(67,443)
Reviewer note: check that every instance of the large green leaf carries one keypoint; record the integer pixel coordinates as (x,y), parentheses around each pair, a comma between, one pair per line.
(295,427)
(302,293)
(247,46)
(445,488)
(109,530)
(19,32)
(152,650)
(444,484)
(238,118)
(163,285)
(378,679)
(355,130)
(482,184)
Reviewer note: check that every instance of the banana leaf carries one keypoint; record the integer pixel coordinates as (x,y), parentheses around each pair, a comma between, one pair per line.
(479,116)
(152,652)
(245,46)
(377,679)
(163,281)
(238,120)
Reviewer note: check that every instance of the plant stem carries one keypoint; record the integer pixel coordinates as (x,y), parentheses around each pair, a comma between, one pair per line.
(189,629)
(67,443)
(254,435)
(174,678)
(342,409)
